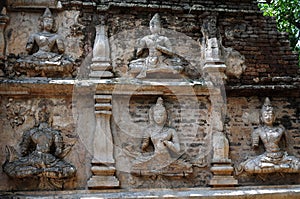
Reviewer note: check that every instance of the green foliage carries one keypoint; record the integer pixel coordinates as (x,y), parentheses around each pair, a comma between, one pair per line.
(287,14)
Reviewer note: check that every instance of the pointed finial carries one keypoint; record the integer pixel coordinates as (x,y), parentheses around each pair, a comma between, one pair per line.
(159,104)
(3,11)
(47,14)
(267,102)
(159,101)
(155,20)
(267,106)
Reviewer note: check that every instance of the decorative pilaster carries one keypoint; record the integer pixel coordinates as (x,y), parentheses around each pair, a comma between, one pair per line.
(103,163)
(3,21)
(101,63)
(214,69)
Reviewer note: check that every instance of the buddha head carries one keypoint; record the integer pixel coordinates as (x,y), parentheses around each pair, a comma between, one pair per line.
(155,25)
(43,113)
(267,113)
(158,113)
(47,21)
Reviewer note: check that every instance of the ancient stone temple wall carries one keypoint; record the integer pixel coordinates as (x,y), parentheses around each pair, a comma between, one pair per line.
(142,94)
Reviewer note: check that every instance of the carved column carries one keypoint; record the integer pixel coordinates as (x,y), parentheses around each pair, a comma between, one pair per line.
(3,21)
(214,69)
(103,163)
(101,63)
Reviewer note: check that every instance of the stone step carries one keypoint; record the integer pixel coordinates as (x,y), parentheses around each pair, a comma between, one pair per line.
(258,192)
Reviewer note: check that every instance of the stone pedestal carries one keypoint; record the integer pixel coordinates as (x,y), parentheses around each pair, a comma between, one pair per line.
(221,164)
(103,163)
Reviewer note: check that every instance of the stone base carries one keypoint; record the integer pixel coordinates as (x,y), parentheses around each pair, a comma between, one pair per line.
(103,177)
(51,69)
(222,175)
(101,182)
(223,181)
(101,74)
(103,171)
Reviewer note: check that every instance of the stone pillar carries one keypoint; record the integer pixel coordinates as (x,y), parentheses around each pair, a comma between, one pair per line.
(221,164)
(101,63)
(3,21)
(103,163)
(214,70)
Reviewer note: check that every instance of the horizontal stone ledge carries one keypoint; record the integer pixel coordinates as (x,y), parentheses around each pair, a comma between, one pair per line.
(263,90)
(42,4)
(50,87)
(258,192)
(195,7)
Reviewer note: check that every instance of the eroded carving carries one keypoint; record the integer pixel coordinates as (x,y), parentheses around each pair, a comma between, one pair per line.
(274,159)
(159,57)
(212,42)
(235,62)
(215,55)
(160,148)
(45,52)
(17,112)
(41,154)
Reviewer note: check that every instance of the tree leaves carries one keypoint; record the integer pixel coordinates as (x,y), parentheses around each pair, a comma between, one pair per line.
(287,14)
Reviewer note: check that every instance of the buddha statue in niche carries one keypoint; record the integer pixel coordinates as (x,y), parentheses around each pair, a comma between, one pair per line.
(45,50)
(46,40)
(41,154)
(165,157)
(274,159)
(160,57)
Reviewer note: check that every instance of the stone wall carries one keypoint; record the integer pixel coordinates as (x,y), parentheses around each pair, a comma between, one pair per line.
(271,70)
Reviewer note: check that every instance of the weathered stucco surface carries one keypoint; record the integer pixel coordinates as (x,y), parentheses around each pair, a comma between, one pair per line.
(261,64)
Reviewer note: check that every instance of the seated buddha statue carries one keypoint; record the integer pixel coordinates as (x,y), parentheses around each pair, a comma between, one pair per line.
(274,159)
(165,157)
(160,57)
(41,155)
(45,50)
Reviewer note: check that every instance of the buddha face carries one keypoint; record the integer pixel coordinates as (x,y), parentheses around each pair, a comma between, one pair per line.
(48,23)
(268,117)
(155,27)
(160,116)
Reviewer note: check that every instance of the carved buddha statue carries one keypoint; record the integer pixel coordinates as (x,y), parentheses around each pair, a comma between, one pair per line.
(274,159)
(164,159)
(46,40)
(42,153)
(160,57)
(45,51)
